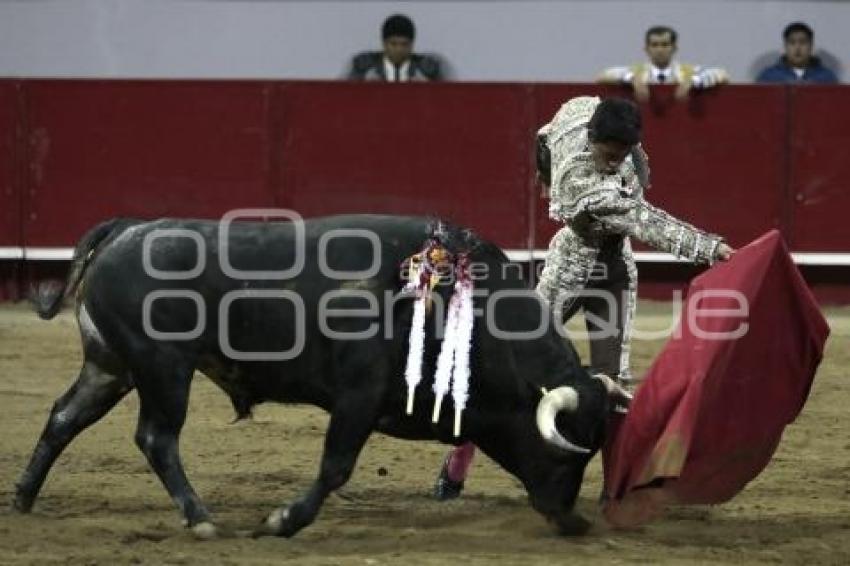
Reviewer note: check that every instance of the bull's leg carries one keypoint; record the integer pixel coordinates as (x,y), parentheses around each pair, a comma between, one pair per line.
(352,420)
(94,393)
(164,400)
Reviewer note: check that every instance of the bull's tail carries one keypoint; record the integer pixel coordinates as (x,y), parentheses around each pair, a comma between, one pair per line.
(49,296)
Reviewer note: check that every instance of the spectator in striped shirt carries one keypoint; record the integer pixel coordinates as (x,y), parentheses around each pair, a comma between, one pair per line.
(662,68)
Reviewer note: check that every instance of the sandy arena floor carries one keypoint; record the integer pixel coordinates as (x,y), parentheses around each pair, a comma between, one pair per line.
(101,504)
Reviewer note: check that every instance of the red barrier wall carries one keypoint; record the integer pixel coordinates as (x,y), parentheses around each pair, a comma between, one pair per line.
(458,151)
(10,164)
(10,192)
(738,160)
(819,169)
(148,149)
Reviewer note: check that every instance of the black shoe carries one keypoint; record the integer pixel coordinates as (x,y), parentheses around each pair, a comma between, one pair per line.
(444,488)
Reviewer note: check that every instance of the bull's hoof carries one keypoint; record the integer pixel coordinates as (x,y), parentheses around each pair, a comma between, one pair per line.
(23,503)
(279,523)
(572,525)
(205,531)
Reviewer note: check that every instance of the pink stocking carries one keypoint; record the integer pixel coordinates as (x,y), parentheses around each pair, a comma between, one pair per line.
(460,459)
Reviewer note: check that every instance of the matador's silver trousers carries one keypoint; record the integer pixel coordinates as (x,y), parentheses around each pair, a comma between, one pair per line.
(601,280)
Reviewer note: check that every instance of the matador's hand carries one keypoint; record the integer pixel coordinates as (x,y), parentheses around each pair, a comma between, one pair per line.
(641,88)
(724,252)
(684,89)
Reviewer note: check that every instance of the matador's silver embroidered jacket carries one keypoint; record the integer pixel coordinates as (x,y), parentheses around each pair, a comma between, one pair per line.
(595,205)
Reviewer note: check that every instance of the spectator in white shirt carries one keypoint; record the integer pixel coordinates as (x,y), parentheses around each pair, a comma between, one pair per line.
(397,62)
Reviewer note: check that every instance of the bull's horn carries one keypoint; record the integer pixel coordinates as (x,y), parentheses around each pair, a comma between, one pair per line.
(563,398)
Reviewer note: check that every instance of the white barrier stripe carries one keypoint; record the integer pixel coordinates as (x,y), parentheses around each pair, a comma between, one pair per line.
(815,258)
(11,253)
(48,254)
(800,258)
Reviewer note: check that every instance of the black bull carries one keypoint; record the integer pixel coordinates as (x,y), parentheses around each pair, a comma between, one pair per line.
(360,382)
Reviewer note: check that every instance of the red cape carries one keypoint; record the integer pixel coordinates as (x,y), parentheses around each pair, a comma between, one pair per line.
(711,412)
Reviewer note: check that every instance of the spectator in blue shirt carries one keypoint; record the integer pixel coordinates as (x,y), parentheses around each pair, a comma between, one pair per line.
(798,65)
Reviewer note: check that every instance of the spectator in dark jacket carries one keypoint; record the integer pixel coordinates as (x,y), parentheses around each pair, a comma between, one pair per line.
(798,64)
(397,62)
